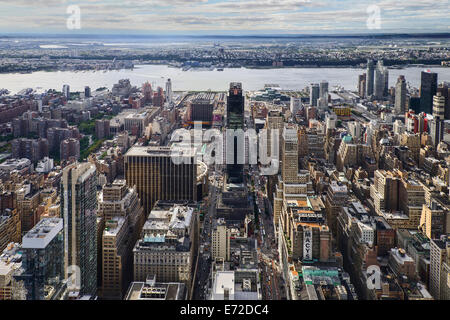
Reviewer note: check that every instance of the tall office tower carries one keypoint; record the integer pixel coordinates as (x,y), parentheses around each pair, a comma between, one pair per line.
(400,95)
(381,78)
(116,255)
(444,89)
(274,122)
(220,244)
(169,93)
(159,176)
(428,88)
(314,94)
(87,92)
(289,155)
(323,90)
(119,206)
(386,81)
(439,106)
(362,82)
(296,104)
(201,108)
(440,267)
(235,121)
(66,91)
(370,78)
(79,211)
(437,131)
(43,260)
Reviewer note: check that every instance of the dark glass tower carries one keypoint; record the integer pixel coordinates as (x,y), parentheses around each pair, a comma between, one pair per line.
(370,78)
(428,88)
(235,121)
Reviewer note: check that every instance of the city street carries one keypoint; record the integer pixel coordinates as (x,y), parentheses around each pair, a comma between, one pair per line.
(204,261)
(272,281)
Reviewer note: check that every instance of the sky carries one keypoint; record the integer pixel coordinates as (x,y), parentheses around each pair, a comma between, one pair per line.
(224,16)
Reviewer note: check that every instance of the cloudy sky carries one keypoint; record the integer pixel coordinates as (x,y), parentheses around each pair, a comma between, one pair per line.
(226,16)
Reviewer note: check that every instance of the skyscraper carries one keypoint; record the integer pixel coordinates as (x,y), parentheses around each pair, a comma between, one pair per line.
(400,95)
(120,208)
(444,89)
(428,88)
(66,91)
(289,170)
(362,82)
(79,211)
(314,94)
(235,121)
(437,131)
(381,81)
(87,92)
(323,89)
(220,244)
(169,93)
(440,267)
(370,78)
(439,106)
(43,259)
(296,104)
(157,177)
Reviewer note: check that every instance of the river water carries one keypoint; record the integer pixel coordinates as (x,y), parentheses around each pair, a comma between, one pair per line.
(252,79)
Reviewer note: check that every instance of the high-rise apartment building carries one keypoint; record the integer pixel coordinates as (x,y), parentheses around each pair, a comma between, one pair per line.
(33,149)
(70,148)
(43,260)
(79,211)
(102,128)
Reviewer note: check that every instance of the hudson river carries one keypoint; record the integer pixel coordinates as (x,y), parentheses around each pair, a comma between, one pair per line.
(252,79)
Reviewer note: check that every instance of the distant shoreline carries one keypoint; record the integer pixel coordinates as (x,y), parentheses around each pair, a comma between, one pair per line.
(398,67)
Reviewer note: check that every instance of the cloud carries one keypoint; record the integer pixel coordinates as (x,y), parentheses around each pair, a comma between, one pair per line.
(224,15)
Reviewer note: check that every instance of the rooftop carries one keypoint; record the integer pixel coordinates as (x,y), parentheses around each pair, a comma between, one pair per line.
(42,233)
